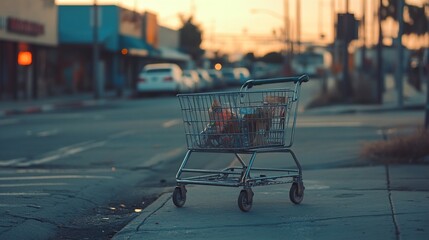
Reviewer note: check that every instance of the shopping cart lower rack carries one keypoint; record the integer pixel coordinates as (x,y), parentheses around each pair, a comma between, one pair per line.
(246,122)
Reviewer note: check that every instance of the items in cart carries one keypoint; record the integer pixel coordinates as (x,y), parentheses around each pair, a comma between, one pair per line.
(258,126)
(250,127)
(212,138)
(223,118)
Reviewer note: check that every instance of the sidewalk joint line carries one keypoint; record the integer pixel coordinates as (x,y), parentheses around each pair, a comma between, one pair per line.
(392,207)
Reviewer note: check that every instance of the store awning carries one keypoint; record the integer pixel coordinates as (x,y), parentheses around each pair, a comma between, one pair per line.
(173,54)
(137,46)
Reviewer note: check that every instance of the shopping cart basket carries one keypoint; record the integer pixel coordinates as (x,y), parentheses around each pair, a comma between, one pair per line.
(245,122)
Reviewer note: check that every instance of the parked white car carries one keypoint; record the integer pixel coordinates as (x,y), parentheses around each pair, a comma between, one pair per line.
(192,75)
(206,82)
(162,77)
(235,76)
(217,78)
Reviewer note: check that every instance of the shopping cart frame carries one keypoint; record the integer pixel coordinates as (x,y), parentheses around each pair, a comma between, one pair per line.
(244,174)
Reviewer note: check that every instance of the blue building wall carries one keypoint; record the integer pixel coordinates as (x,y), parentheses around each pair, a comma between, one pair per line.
(75,25)
(75,28)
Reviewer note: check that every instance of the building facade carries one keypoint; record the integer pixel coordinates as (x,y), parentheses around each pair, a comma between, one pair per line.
(119,38)
(28,39)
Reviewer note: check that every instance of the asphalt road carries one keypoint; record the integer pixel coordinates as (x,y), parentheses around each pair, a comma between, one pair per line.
(84,174)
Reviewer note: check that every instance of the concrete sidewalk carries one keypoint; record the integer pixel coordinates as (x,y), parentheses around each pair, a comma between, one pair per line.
(378,202)
(412,100)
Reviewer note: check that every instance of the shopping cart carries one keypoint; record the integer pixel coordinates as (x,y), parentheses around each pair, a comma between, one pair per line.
(246,122)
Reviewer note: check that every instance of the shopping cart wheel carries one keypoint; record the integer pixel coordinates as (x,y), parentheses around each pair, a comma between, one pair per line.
(296,193)
(245,200)
(179,196)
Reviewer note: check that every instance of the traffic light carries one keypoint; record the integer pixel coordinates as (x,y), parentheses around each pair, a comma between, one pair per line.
(347,27)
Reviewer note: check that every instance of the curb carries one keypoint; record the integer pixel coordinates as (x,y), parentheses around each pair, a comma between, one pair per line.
(133,226)
(52,107)
(368,109)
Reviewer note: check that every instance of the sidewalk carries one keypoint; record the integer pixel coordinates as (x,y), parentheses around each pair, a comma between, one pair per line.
(372,202)
(352,203)
(412,100)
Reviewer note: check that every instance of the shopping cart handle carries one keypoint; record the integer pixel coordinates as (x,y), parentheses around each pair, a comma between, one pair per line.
(296,79)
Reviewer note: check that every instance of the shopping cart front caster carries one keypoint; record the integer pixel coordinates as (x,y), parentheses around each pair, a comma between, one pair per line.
(179,196)
(245,200)
(296,193)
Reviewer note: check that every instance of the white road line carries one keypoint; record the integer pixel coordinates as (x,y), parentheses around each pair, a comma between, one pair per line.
(32,185)
(63,152)
(8,121)
(11,162)
(25,194)
(47,133)
(54,177)
(17,206)
(158,158)
(120,134)
(171,123)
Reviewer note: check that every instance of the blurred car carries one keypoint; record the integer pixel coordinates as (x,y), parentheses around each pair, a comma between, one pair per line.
(217,77)
(260,70)
(206,82)
(162,77)
(310,63)
(235,76)
(193,76)
(230,76)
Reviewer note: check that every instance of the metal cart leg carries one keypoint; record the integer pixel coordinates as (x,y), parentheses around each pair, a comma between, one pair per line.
(245,198)
(296,193)
(184,162)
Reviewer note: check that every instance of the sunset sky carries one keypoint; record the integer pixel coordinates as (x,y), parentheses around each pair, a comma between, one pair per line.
(247,25)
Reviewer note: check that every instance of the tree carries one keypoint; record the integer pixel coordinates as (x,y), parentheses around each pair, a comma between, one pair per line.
(416,22)
(272,57)
(190,38)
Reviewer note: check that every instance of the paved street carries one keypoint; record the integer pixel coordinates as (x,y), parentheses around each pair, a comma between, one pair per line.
(86,173)
(69,170)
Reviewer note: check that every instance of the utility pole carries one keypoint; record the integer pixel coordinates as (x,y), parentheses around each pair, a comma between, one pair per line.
(95,53)
(380,70)
(298,25)
(346,40)
(399,68)
(426,65)
(427,96)
(363,53)
(286,25)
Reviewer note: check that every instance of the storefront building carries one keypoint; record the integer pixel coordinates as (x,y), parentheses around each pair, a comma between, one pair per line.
(122,47)
(28,39)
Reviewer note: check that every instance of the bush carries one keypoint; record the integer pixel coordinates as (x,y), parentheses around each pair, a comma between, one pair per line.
(411,148)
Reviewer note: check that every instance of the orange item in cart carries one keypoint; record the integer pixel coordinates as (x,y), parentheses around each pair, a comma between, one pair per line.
(219,116)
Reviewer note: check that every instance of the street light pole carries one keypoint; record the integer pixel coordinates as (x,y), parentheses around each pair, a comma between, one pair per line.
(426,65)
(95,53)
(400,49)
(346,31)
(284,18)
(288,51)
(298,25)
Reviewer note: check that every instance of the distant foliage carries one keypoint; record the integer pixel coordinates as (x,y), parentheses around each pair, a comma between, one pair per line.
(272,57)
(416,23)
(190,38)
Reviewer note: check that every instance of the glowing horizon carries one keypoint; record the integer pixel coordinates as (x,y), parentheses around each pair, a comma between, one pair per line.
(237,29)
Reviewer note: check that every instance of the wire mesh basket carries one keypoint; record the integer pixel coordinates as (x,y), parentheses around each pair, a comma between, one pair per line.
(238,120)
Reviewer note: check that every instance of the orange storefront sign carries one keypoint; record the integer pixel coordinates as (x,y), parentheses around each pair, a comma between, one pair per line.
(25,58)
